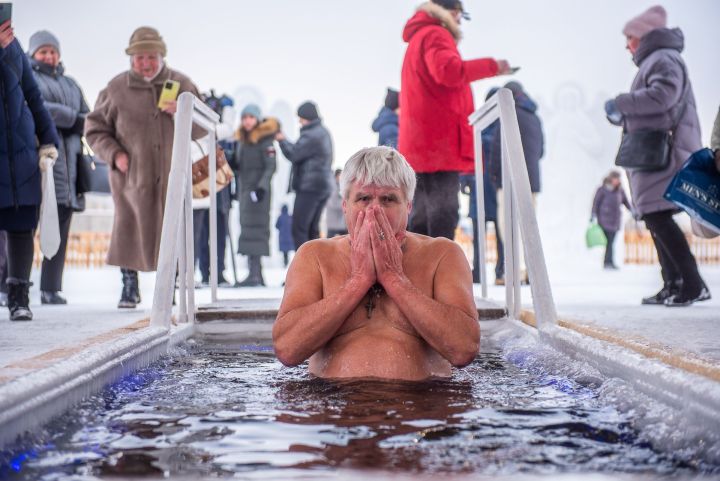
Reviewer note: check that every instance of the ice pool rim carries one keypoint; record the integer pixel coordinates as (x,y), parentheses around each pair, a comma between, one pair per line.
(30,400)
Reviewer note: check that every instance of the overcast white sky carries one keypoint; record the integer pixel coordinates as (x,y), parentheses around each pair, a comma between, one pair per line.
(343,54)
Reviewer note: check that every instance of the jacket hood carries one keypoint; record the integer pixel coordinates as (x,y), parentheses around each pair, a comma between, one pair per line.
(657,39)
(313,123)
(429,14)
(269,126)
(47,69)
(385,117)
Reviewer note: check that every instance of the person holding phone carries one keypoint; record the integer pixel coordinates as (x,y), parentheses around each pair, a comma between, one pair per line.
(66,103)
(139,153)
(436,100)
(24,122)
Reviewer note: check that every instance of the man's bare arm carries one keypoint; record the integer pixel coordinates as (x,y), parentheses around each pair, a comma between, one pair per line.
(307,321)
(449,321)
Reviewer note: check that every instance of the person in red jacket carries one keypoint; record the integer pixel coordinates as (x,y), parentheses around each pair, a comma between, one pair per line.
(436,100)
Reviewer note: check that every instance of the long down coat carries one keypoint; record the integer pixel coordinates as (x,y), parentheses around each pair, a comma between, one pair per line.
(23,122)
(68,109)
(661,97)
(435,94)
(256,161)
(126,119)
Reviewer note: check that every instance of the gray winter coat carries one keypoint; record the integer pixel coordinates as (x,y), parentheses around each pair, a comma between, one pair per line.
(66,104)
(334,216)
(255,159)
(311,158)
(659,93)
(606,207)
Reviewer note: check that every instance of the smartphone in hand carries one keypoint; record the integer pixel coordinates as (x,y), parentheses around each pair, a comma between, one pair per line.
(513,70)
(5,12)
(169,93)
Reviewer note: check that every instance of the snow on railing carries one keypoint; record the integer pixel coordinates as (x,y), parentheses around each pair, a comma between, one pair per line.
(519,212)
(176,243)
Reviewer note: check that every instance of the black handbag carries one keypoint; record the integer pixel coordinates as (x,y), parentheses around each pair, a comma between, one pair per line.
(649,150)
(92,175)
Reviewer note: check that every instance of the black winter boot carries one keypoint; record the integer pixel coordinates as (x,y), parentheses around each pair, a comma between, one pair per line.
(254,278)
(19,299)
(130,296)
(684,299)
(671,288)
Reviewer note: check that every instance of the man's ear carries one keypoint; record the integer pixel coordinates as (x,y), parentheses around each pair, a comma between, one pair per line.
(344,206)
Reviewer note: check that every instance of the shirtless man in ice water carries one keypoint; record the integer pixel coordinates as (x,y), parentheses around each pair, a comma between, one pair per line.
(380,302)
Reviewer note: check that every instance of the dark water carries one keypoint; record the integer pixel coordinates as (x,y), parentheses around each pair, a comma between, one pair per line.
(217,411)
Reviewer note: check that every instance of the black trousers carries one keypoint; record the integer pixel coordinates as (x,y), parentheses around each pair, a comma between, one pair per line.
(306,216)
(435,207)
(3,262)
(52,269)
(20,250)
(676,261)
(499,263)
(609,248)
(201,238)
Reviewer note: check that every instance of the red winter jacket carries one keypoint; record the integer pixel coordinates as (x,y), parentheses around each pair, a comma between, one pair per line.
(435,94)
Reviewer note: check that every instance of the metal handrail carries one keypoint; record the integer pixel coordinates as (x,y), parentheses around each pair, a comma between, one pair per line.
(176,242)
(520,220)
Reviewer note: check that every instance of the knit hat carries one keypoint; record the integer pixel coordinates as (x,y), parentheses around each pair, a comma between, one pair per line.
(42,38)
(392,99)
(452,5)
(308,111)
(251,110)
(146,39)
(650,19)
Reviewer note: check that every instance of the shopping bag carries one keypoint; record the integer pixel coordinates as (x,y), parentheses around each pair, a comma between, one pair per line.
(594,236)
(696,189)
(49,223)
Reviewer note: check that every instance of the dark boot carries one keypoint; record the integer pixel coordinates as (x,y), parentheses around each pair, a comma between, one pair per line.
(19,299)
(52,297)
(684,299)
(254,278)
(129,297)
(671,288)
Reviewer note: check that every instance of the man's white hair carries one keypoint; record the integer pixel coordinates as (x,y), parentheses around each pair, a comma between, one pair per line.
(383,166)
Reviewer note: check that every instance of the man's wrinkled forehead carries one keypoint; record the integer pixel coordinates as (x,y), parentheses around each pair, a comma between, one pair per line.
(358,188)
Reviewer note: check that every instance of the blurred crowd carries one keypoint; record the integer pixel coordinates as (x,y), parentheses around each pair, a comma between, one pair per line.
(130,128)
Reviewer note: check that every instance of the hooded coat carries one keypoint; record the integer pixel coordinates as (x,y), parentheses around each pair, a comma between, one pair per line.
(255,157)
(435,94)
(66,104)
(386,126)
(127,119)
(660,98)
(24,121)
(532,138)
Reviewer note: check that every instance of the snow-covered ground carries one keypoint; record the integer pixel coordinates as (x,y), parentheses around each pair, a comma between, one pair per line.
(582,291)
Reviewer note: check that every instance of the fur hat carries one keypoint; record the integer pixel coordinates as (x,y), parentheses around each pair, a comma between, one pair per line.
(251,110)
(649,20)
(146,39)
(392,99)
(308,111)
(42,38)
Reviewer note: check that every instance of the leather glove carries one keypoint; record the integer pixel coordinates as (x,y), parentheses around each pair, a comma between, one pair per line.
(614,116)
(48,152)
(257,195)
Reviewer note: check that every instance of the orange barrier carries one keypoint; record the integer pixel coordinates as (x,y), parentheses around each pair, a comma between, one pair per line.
(639,248)
(84,250)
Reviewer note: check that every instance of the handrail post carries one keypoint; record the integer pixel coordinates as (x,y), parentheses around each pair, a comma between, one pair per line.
(480,210)
(212,158)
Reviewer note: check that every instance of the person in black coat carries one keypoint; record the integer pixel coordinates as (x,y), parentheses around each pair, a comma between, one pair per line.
(533,142)
(606,210)
(24,122)
(311,176)
(66,104)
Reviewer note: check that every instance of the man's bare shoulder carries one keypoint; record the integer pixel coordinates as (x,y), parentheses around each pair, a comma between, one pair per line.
(435,246)
(324,250)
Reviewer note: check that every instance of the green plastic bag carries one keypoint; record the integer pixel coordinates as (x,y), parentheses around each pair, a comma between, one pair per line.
(594,236)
